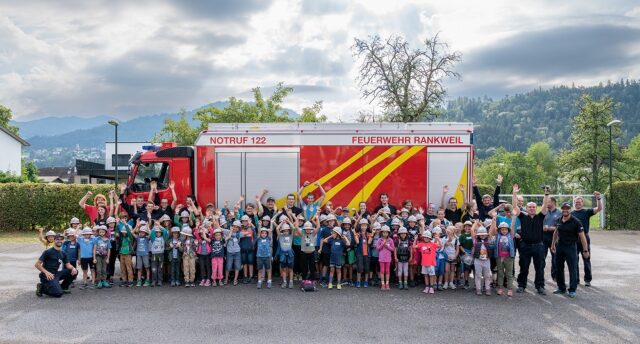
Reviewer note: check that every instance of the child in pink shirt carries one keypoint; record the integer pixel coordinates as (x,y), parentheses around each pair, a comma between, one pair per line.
(385,248)
(427,250)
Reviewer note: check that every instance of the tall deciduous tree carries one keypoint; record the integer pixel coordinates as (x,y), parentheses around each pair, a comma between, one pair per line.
(260,110)
(5,117)
(631,158)
(545,163)
(408,83)
(515,167)
(586,163)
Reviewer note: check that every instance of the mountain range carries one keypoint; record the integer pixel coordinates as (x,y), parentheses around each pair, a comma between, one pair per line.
(513,122)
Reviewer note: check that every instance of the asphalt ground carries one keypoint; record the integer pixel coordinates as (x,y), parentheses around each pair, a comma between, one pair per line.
(609,311)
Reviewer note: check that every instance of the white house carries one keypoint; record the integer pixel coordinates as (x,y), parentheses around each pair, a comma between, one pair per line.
(11,152)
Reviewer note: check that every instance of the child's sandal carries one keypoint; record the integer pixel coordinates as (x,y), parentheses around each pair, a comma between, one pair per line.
(499,292)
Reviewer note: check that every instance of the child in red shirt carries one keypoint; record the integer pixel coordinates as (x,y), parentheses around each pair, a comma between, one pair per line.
(427,250)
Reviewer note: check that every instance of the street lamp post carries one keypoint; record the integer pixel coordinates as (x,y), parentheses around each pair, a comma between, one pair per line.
(115,124)
(610,126)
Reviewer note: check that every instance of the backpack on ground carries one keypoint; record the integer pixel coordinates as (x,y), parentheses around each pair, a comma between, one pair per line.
(308,285)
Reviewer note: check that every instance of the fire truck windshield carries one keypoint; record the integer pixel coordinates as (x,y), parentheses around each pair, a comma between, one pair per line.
(146,172)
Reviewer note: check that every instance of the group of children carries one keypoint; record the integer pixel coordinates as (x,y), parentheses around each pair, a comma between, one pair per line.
(381,248)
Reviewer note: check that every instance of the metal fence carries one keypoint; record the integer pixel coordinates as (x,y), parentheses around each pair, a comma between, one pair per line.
(597,221)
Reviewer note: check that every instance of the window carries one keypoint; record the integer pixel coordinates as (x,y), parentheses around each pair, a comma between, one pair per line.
(84,181)
(123,160)
(146,172)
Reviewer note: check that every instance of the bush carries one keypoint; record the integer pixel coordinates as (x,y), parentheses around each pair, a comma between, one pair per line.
(26,206)
(623,206)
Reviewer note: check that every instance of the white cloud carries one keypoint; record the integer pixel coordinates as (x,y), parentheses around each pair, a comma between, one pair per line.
(127,58)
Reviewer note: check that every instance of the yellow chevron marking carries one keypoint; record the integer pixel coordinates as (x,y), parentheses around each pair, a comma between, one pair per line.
(384,173)
(337,170)
(463,180)
(338,187)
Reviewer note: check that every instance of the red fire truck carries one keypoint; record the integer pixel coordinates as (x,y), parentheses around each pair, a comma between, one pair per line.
(353,162)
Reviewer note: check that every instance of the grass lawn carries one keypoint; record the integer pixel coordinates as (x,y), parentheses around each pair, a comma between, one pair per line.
(28,237)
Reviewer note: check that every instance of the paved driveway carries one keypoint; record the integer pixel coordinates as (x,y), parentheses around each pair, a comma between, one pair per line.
(607,312)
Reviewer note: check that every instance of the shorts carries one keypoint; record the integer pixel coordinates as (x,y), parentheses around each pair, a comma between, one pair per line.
(336,261)
(264,263)
(325,258)
(142,260)
(362,264)
(246,257)
(351,257)
(403,268)
(286,259)
(429,270)
(233,261)
(87,263)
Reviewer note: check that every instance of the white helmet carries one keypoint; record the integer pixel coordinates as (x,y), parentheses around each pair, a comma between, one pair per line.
(264,229)
(236,223)
(86,230)
(363,222)
(503,225)
(396,222)
(50,233)
(404,210)
(285,226)
(331,217)
(175,230)
(481,231)
(164,218)
(245,218)
(111,219)
(187,231)
(337,230)
(412,219)
(347,221)
(323,218)
(184,214)
(266,218)
(307,225)
(217,230)
(144,229)
(71,231)
(282,218)
(427,234)
(74,220)
(376,225)
(385,229)
(402,230)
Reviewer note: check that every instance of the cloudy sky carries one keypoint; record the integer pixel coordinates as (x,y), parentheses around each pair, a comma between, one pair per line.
(130,58)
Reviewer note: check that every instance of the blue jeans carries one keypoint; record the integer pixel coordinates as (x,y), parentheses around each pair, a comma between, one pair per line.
(568,253)
(530,252)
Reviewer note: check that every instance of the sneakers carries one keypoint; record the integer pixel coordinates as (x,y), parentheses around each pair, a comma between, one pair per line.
(207,283)
(446,286)
(412,284)
(99,285)
(106,284)
(365,284)
(159,284)
(283,285)
(452,286)
(572,294)
(268,284)
(146,283)
(587,284)
(440,287)
(499,292)
(559,291)
(541,291)
(123,284)
(39,290)
(290,284)
(466,285)
(259,284)
(83,287)
(139,284)
(66,291)
(431,291)
(214,283)
(330,286)
(339,286)
(426,290)
(510,293)
(358,284)
(520,290)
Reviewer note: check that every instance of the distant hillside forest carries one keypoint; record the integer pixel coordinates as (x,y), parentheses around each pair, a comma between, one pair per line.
(515,122)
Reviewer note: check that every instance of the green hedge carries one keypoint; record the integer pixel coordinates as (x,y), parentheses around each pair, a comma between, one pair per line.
(25,206)
(623,206)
